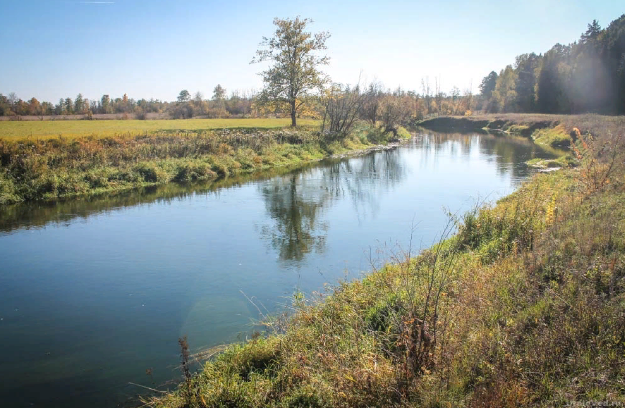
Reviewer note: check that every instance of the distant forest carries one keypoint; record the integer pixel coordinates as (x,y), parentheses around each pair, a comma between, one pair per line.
(186,106)
(585,76)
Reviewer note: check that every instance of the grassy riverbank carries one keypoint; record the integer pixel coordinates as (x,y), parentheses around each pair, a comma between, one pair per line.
(547,130)
(52,168)
(524,306)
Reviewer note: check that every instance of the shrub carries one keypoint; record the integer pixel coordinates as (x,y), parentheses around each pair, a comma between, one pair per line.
(151,173)
(193,170)
(8,193)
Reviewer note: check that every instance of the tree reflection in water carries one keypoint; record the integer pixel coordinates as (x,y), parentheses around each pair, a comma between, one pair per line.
(296,202)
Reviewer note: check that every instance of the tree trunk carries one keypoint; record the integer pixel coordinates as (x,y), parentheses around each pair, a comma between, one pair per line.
(293,118)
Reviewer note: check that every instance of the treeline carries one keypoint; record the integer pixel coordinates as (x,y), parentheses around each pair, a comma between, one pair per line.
(237,104)
(374,103)
(585,76)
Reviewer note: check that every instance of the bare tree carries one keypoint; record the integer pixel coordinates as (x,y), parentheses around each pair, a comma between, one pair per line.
(455,99)
(438,96)
(394,112)
(370,109)
(342,105)
(427,94)
(198,98)
(468,98)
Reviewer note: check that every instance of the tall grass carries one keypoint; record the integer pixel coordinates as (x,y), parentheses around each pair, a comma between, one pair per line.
(52,168)
(44,169)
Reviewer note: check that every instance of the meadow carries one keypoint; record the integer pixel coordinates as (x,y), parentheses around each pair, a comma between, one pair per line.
(107,128)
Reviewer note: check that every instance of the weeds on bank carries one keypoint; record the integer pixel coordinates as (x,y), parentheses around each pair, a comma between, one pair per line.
(600,159)
(57,168)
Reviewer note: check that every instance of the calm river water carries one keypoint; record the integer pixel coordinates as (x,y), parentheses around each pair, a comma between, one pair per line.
(95,292)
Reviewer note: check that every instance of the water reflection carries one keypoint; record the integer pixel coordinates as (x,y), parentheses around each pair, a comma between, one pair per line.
(295,211)
(63,212)
(364,180)
(509,152)
(295,195)
(296,202)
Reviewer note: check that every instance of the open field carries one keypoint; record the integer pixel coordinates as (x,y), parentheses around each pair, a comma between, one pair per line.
(95,116)
(106,128)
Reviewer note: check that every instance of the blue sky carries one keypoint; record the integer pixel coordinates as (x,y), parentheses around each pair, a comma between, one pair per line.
(155,48)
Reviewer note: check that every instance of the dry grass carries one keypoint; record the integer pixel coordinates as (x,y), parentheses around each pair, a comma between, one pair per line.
(95,116)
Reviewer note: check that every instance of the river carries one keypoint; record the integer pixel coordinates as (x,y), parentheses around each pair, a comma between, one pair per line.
(95,293)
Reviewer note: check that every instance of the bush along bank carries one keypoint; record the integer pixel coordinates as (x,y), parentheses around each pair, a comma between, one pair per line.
(523,306)
(59,168)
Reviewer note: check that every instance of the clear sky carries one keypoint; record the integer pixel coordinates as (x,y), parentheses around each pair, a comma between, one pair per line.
(155,48)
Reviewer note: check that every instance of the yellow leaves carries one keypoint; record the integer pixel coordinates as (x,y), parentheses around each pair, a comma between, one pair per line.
(350,378)
(577,133)
(551,211)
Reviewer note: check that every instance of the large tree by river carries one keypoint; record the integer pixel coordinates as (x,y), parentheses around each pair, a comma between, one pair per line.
(294,74)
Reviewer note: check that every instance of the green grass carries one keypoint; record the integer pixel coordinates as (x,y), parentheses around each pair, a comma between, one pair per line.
(61,167)
(560,162)
(108,128)
(556,136)
(524,306)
